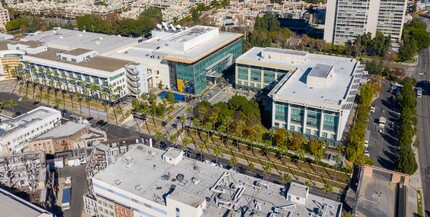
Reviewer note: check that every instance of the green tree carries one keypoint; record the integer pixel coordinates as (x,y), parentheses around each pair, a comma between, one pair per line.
(233,161)
(328,188)
(309,184)
(286,178)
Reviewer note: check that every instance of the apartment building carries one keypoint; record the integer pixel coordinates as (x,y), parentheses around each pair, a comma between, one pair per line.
(178,186)
(15,133)
(311,94)
(67,137)
(4,17)
(345,19)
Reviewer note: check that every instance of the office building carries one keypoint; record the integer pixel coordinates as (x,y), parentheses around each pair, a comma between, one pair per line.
(311,94)
(13,206)
(345,19)
(151,182)
(67,137)
(16,132)
(185,59)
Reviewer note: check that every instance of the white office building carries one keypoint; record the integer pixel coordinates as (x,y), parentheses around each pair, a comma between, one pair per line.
(16,132)
(148,182)
(345,19)
(312,94)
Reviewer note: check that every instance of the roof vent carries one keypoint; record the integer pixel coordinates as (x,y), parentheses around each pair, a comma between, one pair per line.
(118,181)
(180,177)
(138,187)
(152,153)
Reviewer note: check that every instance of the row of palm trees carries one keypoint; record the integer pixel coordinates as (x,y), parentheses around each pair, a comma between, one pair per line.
(79,89)
(11,103)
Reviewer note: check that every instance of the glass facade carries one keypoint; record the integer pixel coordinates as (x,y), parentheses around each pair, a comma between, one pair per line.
(193,76)
(310,121)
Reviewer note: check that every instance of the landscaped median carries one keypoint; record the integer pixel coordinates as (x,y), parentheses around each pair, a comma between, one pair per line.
(287,164)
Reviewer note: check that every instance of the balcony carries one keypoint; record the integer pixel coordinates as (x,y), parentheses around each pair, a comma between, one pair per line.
(131,71)
(133,78)
(134,90)
(133,84)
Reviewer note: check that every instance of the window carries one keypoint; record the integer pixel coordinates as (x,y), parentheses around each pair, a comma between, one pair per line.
(333,136)
(242,73)
(308,131)
(134,200)
(178,212)
(255,75)
(269,76)
(300,129)
(292,128)
(316,132)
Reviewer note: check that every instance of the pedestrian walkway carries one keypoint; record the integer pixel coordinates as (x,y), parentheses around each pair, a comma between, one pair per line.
(414,186)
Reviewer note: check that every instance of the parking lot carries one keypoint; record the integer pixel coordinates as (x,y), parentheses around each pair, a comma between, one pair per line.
(383,147)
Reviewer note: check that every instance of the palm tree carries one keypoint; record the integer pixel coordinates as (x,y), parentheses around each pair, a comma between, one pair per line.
(87,98)
(251,166)
(318,157)
(337,159)
(327,188)
(12,104)
(267,170)
(309,184)
(119,90)
(57,102)
(159,136)
(105,95)
(301,155)
(94,89)
(201,149)
(217,152)
(233,161)
(286,178)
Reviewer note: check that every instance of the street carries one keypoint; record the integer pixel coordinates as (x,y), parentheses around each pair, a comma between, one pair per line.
(423,126)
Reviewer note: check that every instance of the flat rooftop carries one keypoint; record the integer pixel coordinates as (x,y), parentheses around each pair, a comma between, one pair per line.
(70,39)
(102,63)
(126,174)
(293,87)
(13,206)
(155,46)
(9,125)
(78,51)
(68,129)
(377,198)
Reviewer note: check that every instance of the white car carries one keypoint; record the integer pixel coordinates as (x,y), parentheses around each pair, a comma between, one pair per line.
(366,152)
(68,181)
(372,109)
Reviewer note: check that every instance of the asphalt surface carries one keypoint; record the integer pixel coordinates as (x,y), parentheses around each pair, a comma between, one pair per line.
(79,187)
(423,127)
(383,148)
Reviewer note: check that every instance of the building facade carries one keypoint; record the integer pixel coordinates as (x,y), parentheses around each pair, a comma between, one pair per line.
(311,94)
(345,19)
(4,17)
(15,133)
(66,137)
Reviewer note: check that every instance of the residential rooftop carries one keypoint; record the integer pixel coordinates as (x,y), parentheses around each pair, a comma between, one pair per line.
(9,125)
(102,63)
(143,173)
(332,92)
(70,39)
(13,206)
(68,129)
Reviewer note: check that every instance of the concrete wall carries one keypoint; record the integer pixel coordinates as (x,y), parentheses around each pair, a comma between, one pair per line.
(395,176)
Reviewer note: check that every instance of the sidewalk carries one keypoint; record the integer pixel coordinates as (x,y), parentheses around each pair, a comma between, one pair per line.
(414,185)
